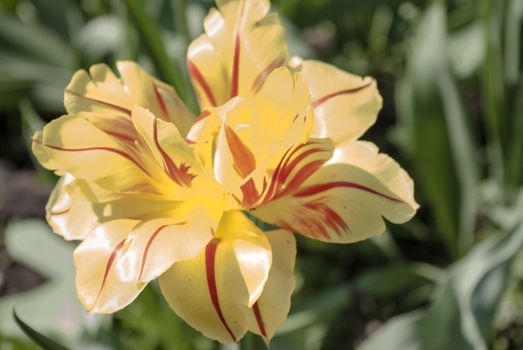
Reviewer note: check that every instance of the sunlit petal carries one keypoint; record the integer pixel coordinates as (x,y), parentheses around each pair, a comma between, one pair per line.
(100,91)
(345,105)
(241,45)
(101,282)
(346,200)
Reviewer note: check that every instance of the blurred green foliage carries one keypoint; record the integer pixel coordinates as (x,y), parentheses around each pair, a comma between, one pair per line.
(450,73)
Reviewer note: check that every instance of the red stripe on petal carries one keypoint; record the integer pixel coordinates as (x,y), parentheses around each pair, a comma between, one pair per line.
(210,261)
(202,116)
(318,188)
(260,79)
(198,76)
(101,102)
(181,174)
(303,174)
(107,149)
(331,218)
(235,68)
(338,93)
(108,266)
(244,161)
(160,100)
(62,212)
(120,136)
(259,319)
(250,194)
(150,241)
(292,165)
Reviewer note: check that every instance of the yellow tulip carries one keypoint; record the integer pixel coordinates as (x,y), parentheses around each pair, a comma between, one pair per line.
(154,193)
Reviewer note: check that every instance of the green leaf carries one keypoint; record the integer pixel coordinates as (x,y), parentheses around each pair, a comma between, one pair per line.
(460,318)
(153,42)
(514,24)
(40,339)
(52,306)
(35,42)
(439,134)
(493,86)
(422,116)
(102,36)
(467,50)
(393,279)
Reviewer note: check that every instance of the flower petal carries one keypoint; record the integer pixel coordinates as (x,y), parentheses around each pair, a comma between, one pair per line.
(213,292)
(251,248)
(205,291)
(345,105)
(168,148)
(346,202)
(248,142)
(242,44)
(69,213)
(71,144)
(101,91)
(271,309)
(157,244)
(101,282)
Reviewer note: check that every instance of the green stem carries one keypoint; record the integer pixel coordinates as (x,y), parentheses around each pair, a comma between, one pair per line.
(179,8)
(168,69)
(252,342)
(180,19)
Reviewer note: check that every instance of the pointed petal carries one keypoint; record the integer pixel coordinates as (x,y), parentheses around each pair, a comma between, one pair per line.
(242,44)
(201,138)
(213,292)
(248,142)
(69,212)
(205,291)
(167,146)
(101,281)
(345,105)
(346,202)
(244,240)
(157,244)
(271,309)
(71,144)
(100,91)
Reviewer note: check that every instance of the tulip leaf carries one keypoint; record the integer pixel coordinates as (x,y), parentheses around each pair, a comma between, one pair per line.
(513,36)
(152,39)
(393,279)
(465,303)
(34,42)
(51,306)
(439,137)
(40,339)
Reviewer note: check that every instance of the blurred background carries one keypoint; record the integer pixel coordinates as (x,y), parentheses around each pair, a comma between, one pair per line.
(450,74)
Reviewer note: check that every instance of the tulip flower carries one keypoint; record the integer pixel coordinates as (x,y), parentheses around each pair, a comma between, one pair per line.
(154,193)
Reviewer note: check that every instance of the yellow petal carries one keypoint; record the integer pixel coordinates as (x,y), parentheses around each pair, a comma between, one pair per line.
(257,132)
(201,137)
(366,156)
(43,156)
(168,148)
(101,281)
(345,105)
(271,309)
(157,244)
(205,291)
(244,240)
(346,202)
(213,292)
(242,44)
(71,144)
(69,212)
(100,91)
